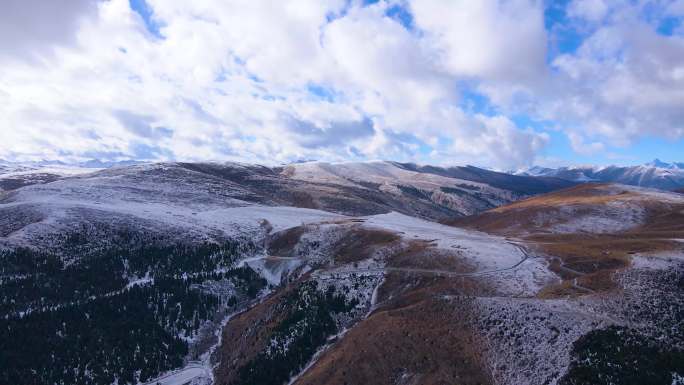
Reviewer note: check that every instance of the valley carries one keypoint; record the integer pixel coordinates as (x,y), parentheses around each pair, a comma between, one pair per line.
(348,273)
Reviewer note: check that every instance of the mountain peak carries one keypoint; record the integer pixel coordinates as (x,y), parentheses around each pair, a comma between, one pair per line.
(655,174)
(658,163)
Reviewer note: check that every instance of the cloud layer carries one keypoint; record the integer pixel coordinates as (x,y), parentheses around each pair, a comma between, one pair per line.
(484,82)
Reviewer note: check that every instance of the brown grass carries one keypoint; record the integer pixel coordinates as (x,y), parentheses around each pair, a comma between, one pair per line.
(523,217)
(581,195)
(599,281)
(359,244)
(591,258)
(560,290)
(519,217)
(420,254)
(356,243)
(417,338)
(282,243)
(247,334)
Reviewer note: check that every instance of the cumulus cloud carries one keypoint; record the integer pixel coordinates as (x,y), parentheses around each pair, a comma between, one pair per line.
(581,146)
(625,81)
(29,29)
(592,10)
(485,39)
(480,133)
(278,81)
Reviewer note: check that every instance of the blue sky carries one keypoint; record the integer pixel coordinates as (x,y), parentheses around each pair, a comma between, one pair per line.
(145,11)
(497,83)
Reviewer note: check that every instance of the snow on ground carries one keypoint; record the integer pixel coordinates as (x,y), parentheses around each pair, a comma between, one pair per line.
(384,173)
(229,216)
(655,194)
(139,281)
(161,193)
(317,244)
(525,280)
(502,262)
(660,261)
(485,251)
(273,269)
(529,336)
(627,209)
(193,374)
(56,170)
(280,217)
(614,217)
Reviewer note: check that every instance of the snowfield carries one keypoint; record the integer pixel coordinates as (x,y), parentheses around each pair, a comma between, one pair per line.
(13,172)
(504,262)
(194,374)
(385,173)
(486,251)
(656,174)
(540,331)
(615,217)
(157,202)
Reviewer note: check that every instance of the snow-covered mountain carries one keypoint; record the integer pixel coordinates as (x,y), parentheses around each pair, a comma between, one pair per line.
(670,166)
(345,188)
(231,273)
(656,174)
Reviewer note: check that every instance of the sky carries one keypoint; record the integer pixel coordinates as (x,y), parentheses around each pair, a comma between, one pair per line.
(497,83)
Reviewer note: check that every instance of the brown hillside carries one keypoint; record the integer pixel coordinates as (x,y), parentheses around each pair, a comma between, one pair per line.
(589,231)
(415,338)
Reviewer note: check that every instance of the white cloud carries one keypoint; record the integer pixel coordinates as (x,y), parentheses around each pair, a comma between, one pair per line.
(29,28)
(676,8)
(485,39)
(625,81)
(278,81)
(591,10)
(581,146)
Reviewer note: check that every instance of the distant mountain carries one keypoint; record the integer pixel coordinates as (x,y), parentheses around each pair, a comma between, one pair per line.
(669,166)
(590,208)
(521,184)
(92,163)
(334,273)
(656,174)
(354,188)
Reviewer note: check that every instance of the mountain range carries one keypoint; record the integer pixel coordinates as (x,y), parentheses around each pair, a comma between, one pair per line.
(656,174)
(336,273)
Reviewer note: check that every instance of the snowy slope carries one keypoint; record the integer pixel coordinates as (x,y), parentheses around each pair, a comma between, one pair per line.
(505,263)
(211,200)
(485,251)
(455,191)
(589,208)
(157,198)
(13,176)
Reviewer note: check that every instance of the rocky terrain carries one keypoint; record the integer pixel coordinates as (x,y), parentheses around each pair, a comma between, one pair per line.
(350,273)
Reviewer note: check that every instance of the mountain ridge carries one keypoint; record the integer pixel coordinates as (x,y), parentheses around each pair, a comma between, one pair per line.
(655,174)
(305,273)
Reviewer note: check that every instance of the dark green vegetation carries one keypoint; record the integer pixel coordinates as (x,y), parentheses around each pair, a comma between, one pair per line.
(651,351)
(305,328)
(74,318)
(622,356)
